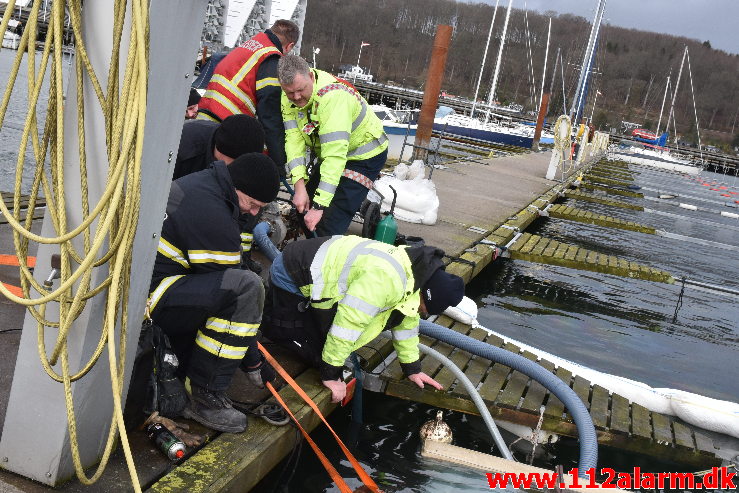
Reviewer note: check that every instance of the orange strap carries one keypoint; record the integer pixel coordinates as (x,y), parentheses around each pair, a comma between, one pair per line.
(357,467)
(338,480)
(14,289)
(13,260)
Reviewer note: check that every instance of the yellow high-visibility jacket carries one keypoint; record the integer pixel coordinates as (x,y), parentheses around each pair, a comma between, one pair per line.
(338,125)
(367,281)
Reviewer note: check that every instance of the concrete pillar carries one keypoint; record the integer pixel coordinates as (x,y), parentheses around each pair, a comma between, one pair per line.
(431,92)
(35,439)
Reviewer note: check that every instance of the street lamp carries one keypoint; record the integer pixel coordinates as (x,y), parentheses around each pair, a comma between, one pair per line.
(316,51)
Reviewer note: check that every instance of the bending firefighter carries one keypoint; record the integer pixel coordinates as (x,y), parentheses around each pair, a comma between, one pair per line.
(330,296)
(206,304)
(326,118)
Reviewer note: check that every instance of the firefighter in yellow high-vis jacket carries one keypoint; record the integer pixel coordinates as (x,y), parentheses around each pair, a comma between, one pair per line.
(331,296)
(327,119)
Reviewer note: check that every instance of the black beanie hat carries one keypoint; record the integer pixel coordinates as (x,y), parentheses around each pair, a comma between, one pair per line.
(255,174)
(239,134)
(441,291)
(194,97)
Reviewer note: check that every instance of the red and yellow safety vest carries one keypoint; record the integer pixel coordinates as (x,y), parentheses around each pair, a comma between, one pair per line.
(233,88)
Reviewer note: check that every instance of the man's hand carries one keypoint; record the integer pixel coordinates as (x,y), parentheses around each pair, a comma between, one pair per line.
(312,218)
(421,378)
(338,389)
(301,199)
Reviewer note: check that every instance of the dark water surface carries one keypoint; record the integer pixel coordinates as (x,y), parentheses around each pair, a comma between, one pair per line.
(636,329)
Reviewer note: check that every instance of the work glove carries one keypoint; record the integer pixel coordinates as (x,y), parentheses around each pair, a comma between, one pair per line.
(260,374)
(180,430)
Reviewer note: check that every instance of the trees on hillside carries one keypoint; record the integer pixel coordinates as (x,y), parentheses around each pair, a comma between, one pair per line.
(630,68)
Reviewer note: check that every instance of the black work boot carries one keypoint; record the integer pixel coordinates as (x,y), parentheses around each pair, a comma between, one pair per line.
(214,410)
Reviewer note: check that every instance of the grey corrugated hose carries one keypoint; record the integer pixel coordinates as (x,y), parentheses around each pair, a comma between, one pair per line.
(576,408)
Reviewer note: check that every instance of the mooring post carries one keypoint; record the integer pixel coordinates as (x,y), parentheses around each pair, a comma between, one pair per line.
(431,93)
(540,120)
(35,441)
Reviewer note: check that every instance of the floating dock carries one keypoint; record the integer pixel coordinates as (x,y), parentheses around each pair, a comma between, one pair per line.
(502,197)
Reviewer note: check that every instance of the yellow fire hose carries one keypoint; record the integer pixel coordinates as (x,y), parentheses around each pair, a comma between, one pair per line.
(114,217)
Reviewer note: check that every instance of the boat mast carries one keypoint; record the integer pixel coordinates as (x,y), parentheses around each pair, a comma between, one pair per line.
(491,95)
(674,94)
(484,57)
(587,61)
(544,72)
(564,93)
(664,98)
(695,111)
(532,86)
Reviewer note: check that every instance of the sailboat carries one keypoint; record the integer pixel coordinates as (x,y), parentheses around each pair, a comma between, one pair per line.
(501,130)
(648,149)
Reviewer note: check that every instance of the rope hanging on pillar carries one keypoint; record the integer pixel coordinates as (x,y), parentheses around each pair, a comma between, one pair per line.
(105,233)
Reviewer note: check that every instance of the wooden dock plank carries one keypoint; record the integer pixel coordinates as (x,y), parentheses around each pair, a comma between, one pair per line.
(536,393)
(582,389)
(555,408)
(640,425)
(237,461)
(703,443)
(620,422)
(459,357)
(477,367)
(599,407)
(683,436)
(662,429)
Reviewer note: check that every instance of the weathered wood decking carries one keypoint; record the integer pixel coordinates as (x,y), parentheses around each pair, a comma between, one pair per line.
(513,396)
(485,208)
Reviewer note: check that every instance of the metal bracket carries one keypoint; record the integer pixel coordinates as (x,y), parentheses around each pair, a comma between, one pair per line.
(512,228)
(545,211)
(373,383)
(477,229)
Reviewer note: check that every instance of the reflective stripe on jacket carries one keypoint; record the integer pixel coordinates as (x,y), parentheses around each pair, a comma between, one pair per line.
(367,280)
(201,231)
(338,125)
(233,88)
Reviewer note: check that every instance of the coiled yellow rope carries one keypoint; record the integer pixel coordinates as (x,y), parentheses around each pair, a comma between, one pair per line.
(562,139)
(108,231)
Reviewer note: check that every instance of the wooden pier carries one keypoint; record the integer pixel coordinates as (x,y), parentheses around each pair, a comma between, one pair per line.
(502,197)
(513,396)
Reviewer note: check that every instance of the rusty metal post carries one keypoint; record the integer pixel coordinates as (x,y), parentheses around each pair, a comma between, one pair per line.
(431,92)
(540,121)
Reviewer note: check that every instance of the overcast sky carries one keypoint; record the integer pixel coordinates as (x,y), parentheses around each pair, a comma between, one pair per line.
(714,20)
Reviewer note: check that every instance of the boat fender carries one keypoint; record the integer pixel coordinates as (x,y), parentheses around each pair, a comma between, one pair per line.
(689,207)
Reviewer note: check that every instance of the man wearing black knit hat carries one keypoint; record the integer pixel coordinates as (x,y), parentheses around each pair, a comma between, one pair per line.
(203,142)
(208,306)
(191,112)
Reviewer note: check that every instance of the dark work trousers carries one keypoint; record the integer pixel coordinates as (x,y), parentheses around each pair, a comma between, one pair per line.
(211,320)
(348,197)
(290,321)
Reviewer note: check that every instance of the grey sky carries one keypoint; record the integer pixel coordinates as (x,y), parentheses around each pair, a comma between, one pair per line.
(712,20)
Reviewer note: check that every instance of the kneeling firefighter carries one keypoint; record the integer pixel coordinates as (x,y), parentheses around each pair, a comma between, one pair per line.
(329,296)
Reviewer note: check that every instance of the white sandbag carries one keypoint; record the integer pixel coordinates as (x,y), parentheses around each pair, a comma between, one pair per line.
(401,171)
(416,170)
(417,200)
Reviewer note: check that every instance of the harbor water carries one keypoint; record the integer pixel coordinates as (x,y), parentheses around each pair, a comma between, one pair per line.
(641,330)
(646,331)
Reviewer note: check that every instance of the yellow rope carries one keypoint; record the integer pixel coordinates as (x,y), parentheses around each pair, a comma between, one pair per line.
(562,135)
(108,230)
